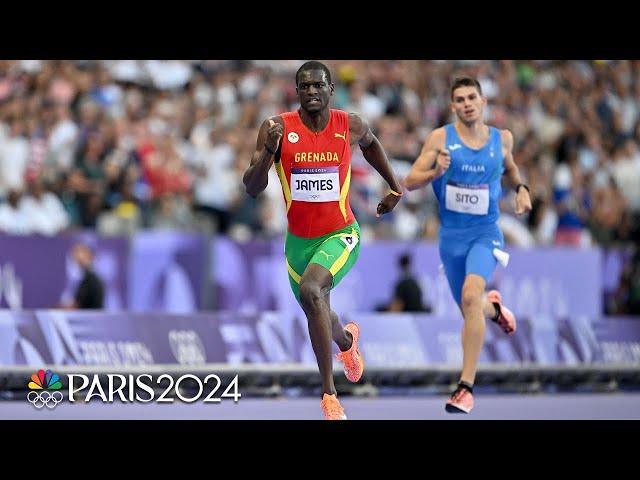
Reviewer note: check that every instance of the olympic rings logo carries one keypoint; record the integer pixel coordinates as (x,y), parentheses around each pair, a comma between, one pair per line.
(42,399)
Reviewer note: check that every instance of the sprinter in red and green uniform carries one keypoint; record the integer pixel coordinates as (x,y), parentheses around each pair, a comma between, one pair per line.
(311,150)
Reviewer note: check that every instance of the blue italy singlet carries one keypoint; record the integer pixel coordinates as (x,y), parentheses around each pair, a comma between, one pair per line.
(470,189)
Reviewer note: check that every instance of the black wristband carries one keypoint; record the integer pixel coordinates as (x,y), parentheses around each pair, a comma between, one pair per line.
(268,150)
(522,185)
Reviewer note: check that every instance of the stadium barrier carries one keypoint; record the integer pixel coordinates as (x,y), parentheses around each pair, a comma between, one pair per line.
(270,351)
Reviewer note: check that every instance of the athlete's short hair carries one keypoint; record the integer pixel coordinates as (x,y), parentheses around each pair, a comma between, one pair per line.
(465,82)
(313,65)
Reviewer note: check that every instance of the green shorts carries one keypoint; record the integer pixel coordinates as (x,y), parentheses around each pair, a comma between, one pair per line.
(336,251)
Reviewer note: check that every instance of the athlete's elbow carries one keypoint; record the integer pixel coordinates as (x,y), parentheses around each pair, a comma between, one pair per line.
(249,184)
(411,183)
(247,187)
(251,191)
(254,190)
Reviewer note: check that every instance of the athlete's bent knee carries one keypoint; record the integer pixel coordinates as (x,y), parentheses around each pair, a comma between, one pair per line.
(471,298)
(310,295)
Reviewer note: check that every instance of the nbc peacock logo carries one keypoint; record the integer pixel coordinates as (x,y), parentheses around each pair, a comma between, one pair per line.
(45,381)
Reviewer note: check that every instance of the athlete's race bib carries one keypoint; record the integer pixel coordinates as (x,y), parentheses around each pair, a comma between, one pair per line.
(471,199)
(350,241)
(315,184)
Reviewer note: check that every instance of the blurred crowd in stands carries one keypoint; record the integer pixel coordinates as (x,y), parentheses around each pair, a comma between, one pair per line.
(123,145)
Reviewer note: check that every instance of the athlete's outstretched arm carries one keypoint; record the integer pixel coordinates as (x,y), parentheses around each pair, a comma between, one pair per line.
(256,177)
(432,162)
(523,200)
(377,158)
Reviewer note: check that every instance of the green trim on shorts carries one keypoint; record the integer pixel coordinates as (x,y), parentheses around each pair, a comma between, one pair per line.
(336,251)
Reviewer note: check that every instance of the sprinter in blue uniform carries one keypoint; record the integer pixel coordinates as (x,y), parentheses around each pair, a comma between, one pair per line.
(465,162)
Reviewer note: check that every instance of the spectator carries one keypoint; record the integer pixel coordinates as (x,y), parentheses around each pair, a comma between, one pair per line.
(44,210)
(13,219)
(407,294)
(89,293)
(14,155)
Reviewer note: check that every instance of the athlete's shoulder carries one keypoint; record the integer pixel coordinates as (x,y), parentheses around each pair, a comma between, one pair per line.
(356,121)
(438,135)
(507,137)
(352,116)
(288,115)
(275,118)
(440,131)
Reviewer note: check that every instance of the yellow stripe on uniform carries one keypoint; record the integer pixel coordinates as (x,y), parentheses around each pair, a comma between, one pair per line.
(285,185)
(339,263)
(344,256)
(292,272)
(342,234)
(343,194)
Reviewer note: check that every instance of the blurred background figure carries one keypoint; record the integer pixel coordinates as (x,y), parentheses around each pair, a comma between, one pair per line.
(89,293)
(407,293)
